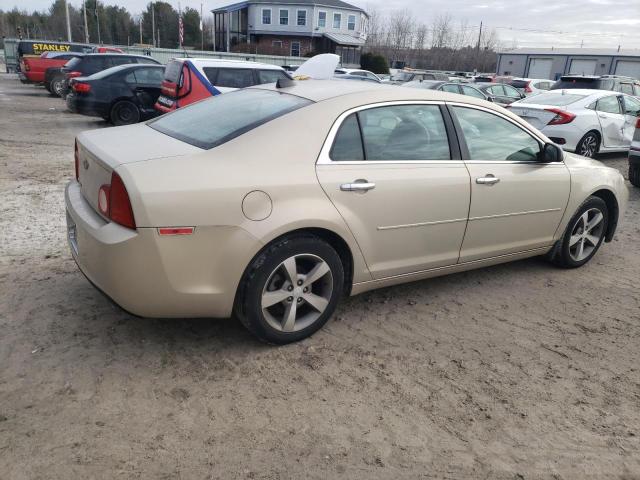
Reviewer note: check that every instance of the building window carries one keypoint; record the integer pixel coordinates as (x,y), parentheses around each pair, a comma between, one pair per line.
(276,43)
(295,49)
(284,17)
(337,20)
(302,18)
(266,16)
(351,24)
(322,19)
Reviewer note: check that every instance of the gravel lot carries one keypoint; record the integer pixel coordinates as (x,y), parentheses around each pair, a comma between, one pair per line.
(520,371)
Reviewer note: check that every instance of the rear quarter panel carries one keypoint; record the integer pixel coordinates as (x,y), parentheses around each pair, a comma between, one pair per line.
(208,188)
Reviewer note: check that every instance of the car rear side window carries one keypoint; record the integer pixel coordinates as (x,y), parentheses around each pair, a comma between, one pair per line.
(400,133)
(472,92)
(609,104)
(149,76)
(270,76)
(72,64)
(492,138)
(220,119)
(230,77)
(348,143)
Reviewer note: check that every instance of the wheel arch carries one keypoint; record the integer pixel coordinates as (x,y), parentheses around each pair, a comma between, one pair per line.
(614,210)
(332,238)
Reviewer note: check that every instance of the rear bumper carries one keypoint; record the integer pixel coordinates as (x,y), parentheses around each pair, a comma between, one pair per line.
(634,156)
(568,132)
(86,106)
(153,276)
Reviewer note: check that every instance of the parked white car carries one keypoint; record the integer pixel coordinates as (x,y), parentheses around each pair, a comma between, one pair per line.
(358,73)
(531,86)
(582,121)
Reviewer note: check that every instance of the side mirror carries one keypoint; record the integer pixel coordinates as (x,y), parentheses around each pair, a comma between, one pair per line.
(550,153)
(490,98)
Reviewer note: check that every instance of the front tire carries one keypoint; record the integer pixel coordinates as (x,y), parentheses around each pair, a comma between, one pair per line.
(584,234)
(124,112)
(589,145)
(634,174)
(291,289)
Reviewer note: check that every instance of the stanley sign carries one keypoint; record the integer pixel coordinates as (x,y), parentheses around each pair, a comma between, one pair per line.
(36,47)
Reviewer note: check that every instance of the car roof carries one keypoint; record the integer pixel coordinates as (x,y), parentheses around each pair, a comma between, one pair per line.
(583,91)
(319,90)
(105,55)
(217,62)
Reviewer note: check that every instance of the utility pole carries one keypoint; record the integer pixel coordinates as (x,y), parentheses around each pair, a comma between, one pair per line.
(140,29)
(98,23)
(86,28)
(201,28)
(153,24)
(479,38)
(66,12)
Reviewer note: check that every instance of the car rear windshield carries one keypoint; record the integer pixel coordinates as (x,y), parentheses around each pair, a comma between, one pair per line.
(555,99)
(519,83)
(71,64)
(592,83)
(222,118)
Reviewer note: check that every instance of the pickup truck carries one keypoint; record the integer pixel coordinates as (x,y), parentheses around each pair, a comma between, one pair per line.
(33,68)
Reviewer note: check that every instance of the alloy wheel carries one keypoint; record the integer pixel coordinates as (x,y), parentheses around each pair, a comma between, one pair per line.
(126,114)
(588,146)
(57,87)
(297,293)
(586,234)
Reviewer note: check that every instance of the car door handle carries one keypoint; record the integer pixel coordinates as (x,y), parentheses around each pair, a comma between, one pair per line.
(602,116)
(488,180)
(357,186)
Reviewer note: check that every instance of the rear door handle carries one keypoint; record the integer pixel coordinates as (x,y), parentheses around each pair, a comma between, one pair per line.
(357,186)
(487,180)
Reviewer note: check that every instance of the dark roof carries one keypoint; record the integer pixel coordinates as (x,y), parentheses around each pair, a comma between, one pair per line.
(320,3)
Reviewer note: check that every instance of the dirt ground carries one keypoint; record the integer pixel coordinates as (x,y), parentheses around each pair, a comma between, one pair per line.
(520,371)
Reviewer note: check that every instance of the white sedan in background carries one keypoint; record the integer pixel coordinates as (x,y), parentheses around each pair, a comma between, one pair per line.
(582,121)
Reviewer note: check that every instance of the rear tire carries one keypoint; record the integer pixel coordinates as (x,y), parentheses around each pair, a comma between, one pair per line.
(584,235)
(589,145)
(57,86)
(279,310)
(124,112)
(634,174)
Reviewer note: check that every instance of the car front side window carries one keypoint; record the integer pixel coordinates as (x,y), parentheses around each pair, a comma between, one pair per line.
(493,138)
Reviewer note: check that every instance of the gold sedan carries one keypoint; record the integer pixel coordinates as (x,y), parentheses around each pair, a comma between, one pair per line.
(273,202)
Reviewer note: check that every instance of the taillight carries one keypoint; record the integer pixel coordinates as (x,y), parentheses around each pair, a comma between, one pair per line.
(77,160)
(638,123)
(561,117)
(114,203)
(80,87)
(528,89)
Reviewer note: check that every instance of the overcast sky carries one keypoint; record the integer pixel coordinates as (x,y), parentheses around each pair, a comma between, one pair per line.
(540,23)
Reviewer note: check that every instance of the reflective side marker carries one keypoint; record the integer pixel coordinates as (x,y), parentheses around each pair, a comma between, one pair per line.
(176,230)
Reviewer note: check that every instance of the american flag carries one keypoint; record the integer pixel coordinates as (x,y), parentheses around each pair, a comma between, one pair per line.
(180,30)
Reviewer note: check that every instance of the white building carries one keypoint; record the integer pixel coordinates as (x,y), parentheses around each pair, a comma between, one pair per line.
(292,27)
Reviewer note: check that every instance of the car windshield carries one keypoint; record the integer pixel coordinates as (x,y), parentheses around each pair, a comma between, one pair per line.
(217,120)
(554,99)
(402,77)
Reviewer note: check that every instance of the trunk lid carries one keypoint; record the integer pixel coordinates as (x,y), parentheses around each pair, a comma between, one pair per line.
(536,115)
(100,152)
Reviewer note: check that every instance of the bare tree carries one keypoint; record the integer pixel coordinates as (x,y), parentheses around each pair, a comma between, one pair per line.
(400,33)
(420,41)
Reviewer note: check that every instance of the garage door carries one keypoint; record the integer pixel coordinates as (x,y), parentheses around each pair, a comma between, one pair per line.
(628,68)
(540,68)
(583,67)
